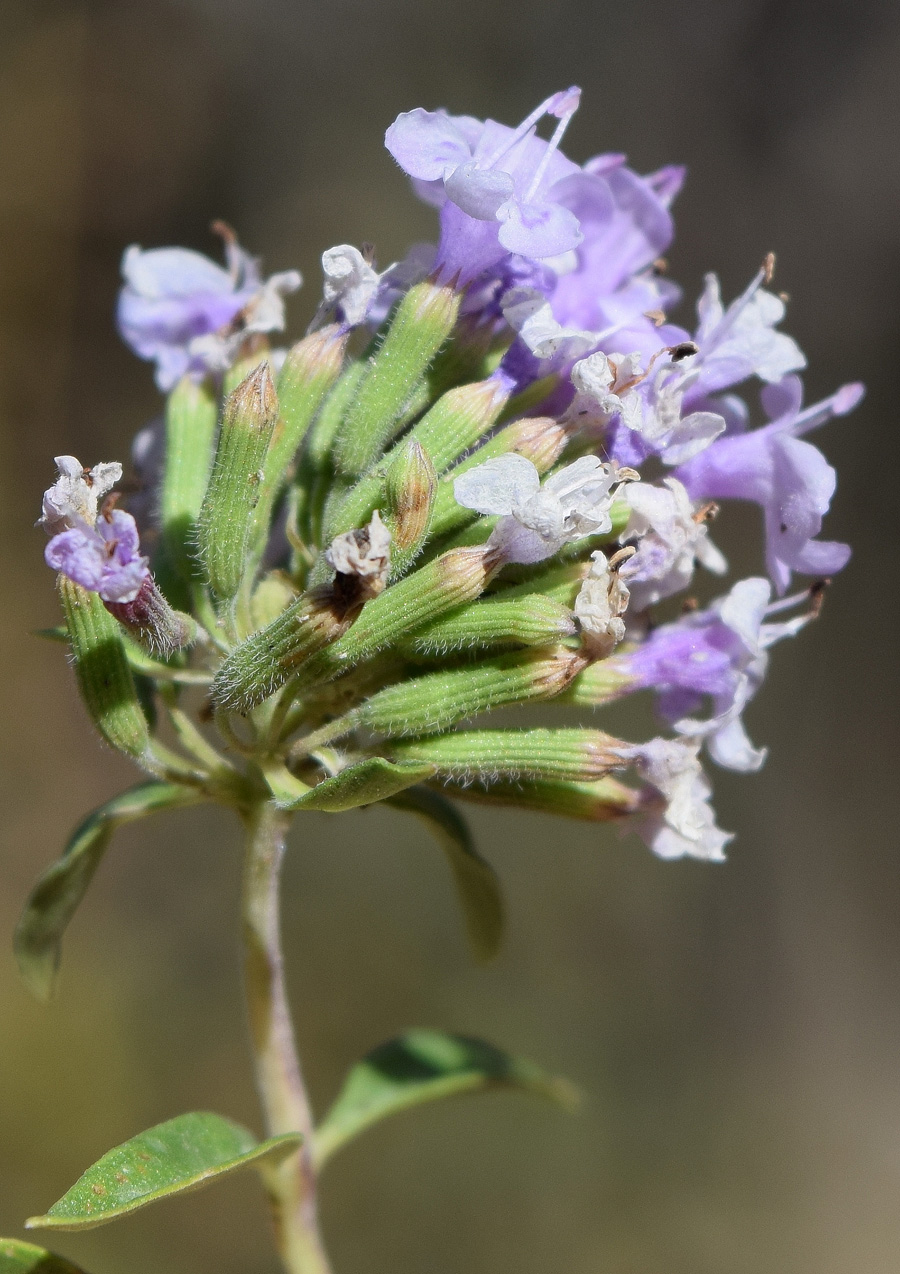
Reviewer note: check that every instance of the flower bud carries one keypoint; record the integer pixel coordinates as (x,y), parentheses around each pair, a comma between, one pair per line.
(101,668)
(600,683)
(227,512)
(601,802)
(310,370)
(489,755)
(410,487)
(535,620)
(455,422)
(264,662)
(440,699)
(191,415)
(151,621)
(422,322)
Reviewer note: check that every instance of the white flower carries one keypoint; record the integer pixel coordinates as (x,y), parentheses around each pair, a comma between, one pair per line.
(365,552)
(671,536)
(528,312)
(74,498)
(605,384)
(741,341)
(349,289)
(601,602)
(675,438)
(537,521)
(685,826)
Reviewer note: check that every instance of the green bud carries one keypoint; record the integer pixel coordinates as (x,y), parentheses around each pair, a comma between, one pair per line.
(454,423)
(560,584)
(310,370)
(264,662)
(191,415)
(598,684)
(438,700)
(601,802)
(534,620)
(227,512)
(421,323)
(254,351)
(490,755)
(315,478)
(540,440)
(410,486)
(101,669)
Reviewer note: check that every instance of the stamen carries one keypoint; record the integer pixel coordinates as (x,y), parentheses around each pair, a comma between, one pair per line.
(736,309)
(545,108)
(569,106)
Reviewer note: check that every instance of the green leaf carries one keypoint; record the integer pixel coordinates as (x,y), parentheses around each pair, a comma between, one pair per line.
(56,896)
(362,784)
(181,1154)
(476,881)
(422,1066)
(25,1258)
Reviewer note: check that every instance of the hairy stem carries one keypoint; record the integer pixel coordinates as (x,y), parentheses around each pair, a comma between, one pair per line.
(292,1185)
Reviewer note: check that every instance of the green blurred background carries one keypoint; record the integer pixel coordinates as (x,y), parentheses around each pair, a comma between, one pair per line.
(735,1028)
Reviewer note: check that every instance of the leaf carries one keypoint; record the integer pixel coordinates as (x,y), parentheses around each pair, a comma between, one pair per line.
(422,1066)
(181,1154)
(24,1258)
(362,784)
(56,896)
(477,883)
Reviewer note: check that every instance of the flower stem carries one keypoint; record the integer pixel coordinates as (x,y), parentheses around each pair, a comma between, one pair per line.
(292,1185)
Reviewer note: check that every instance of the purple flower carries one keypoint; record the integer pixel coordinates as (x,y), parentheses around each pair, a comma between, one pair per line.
(720,654)
(496,186)
(789,478)
(104,558)
(178,308)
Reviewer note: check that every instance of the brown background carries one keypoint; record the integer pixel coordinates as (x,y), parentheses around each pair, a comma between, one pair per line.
(735,1028)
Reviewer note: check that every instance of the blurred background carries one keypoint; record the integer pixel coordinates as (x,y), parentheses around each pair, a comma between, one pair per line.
(735,1029)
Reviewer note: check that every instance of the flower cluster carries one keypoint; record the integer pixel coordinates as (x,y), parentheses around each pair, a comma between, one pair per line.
(497,502)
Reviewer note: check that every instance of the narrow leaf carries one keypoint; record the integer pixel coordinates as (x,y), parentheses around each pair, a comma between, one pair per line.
(362,784)
(56,896)
(422,1066)
(25,1258)
(181,1154)
(476,881)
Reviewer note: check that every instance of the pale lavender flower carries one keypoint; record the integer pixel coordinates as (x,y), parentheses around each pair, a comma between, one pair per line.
(676,820)
(671,536)
(189,315)
(350,287)
(536,521)
(789,478)
(104,558)
(496,186)
(719,654)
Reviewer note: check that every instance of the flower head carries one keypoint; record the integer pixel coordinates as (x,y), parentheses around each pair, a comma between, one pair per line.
(536,521)
(189,315)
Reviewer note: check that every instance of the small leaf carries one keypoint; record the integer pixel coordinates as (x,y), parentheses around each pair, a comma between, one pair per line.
(56,896)
(362,784)
(181,1154)
(476,881)
(25,1258)
(422,1066)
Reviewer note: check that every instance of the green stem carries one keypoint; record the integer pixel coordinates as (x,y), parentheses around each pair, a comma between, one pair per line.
(292,1185)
